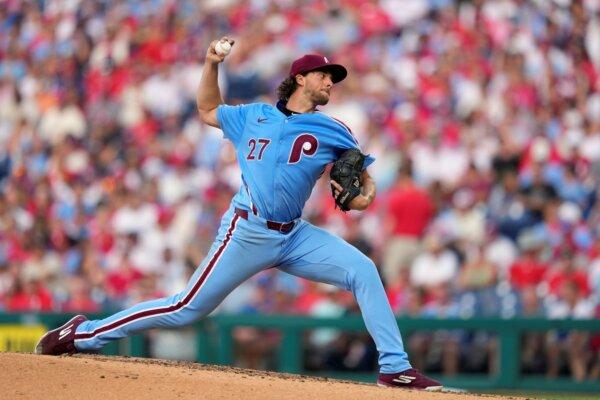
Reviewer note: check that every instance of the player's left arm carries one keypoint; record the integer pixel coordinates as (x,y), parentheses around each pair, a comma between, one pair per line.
(367,194)
(367,189)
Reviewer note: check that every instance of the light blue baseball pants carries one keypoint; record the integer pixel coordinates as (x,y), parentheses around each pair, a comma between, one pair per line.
(243,248)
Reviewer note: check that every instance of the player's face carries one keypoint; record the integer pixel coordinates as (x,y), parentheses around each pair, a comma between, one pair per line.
(318,87)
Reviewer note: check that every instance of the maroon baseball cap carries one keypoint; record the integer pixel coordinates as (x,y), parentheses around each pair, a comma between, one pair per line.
(314,62)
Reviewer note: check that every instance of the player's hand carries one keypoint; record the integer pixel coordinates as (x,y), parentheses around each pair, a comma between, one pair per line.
(211,54)
(360,202)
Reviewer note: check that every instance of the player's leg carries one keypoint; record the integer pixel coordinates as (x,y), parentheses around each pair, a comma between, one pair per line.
(224,268)
(315,254)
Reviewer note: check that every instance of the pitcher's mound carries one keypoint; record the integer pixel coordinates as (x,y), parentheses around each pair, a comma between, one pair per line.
(29,376)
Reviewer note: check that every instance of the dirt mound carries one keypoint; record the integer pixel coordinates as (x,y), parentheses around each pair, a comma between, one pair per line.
(29,376)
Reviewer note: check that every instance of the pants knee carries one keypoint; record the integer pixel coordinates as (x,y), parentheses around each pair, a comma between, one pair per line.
(191,312)
(365,273)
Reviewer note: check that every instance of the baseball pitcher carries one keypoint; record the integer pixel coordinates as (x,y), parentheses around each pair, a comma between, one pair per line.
(282,151)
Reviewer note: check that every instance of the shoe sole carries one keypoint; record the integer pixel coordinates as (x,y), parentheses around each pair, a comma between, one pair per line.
(427,389)
(38,346)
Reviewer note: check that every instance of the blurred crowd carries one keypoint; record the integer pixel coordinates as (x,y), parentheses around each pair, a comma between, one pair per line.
(484,118)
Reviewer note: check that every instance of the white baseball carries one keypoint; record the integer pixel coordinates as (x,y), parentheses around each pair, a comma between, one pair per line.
(222,48)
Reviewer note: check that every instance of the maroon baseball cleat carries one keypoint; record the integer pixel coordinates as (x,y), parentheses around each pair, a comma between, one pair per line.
(60,340)
(409,379)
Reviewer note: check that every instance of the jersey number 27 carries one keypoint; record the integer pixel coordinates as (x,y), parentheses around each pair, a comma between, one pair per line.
(263,143)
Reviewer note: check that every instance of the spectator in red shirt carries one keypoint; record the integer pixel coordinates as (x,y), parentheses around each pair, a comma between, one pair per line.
(528,270)
(29,295)
(409,211)
(121,280)
(80,299)
(565,270)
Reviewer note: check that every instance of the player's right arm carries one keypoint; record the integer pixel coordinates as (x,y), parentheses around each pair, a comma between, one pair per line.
(208,96)
(367,192)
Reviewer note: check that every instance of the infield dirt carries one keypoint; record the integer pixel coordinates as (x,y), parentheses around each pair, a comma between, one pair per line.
(29,376)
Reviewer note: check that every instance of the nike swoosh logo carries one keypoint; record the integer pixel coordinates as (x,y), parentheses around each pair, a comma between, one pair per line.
(259,120)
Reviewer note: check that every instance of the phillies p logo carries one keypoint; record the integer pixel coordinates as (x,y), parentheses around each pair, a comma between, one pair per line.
(305,144)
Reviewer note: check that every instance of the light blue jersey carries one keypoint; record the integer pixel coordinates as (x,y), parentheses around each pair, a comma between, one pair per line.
(281,155)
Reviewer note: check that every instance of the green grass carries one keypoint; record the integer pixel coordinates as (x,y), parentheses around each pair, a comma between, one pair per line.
(546,395)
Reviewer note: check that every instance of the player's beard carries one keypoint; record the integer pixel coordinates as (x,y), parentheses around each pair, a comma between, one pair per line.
(319,98)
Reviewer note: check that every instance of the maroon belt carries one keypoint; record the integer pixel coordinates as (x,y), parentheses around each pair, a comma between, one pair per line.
(276,226)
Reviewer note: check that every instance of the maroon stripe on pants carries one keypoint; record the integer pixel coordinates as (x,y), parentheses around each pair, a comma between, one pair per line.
(173,307)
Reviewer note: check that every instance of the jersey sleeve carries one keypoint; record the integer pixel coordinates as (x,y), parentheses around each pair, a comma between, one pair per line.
(348,141)
(368,161)
(232,120)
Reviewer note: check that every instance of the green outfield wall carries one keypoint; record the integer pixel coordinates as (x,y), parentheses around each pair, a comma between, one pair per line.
(215,345)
